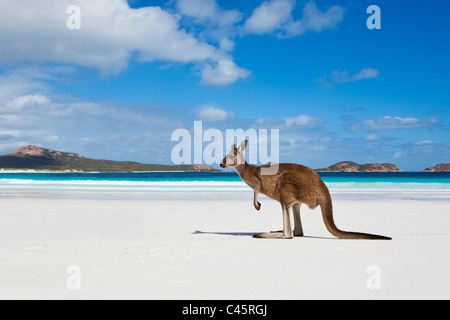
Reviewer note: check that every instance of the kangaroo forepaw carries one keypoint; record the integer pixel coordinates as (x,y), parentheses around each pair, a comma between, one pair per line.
(258,206)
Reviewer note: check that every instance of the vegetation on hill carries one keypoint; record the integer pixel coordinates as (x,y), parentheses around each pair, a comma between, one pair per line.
(349,166)
(36,158)
(443,167)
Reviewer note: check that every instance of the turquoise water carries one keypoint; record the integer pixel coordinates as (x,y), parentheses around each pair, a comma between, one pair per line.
(401,177)
(211,185)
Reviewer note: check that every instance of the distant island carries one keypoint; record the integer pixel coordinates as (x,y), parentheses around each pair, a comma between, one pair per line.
(443,167)
(41,159)
(349,166)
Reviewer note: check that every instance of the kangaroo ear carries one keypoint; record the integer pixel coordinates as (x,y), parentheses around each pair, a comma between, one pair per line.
(243,146)
(234,147)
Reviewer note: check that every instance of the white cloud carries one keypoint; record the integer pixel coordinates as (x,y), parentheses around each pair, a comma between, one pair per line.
(373,137)
(210,113)
(30,101)
(275,16)
(344,76)
(14,85)
(208,11)
(269,16)
(394,123)
(424,142)
(200,9)
(303,121)
(314,19)
(367,73)
(111,34)
(223,73)
(227,44)
(211,21)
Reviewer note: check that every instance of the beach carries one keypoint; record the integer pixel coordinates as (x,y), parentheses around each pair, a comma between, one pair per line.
(84,248)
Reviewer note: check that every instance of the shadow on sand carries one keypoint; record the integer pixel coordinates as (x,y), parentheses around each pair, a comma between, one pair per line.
(251,234)
(235,234)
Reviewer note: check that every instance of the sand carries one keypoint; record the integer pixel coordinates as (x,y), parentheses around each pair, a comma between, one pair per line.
(111,249)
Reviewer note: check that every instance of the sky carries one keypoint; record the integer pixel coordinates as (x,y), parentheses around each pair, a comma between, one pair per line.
(113,79)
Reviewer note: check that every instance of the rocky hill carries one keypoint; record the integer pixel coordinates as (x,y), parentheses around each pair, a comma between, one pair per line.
(349,166)
(37,158)
(443,167)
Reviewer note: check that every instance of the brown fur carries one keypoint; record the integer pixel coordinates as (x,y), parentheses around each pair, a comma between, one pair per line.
(292,185)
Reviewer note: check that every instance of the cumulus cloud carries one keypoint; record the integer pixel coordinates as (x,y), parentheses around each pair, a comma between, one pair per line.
(223,73)
(208,11)
(275,17)
(227,44)
(269,16)
(344,76)
(199,9)
(367,73)
(111,34)
(14,85)
(211,113)
(424,142)
(209,21)
(395,123)
(315,20)
(303,121)
(373,137)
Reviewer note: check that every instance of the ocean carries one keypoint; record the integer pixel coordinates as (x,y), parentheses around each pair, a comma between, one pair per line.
(213,186)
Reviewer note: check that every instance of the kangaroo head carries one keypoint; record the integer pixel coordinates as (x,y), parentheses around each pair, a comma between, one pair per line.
(235,156)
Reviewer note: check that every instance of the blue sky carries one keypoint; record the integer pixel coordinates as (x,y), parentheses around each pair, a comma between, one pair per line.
(137,70)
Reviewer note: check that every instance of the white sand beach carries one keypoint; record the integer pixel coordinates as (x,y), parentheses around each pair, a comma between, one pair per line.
(205,250)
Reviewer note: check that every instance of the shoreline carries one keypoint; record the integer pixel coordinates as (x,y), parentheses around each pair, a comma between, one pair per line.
(190,186)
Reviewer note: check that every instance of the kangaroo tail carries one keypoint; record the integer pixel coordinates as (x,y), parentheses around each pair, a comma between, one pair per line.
(327,214)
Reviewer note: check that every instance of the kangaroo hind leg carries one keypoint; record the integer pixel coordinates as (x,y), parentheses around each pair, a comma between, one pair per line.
(298,228)
(287,229)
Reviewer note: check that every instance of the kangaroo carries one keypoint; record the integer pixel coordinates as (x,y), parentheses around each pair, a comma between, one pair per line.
(292,186)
